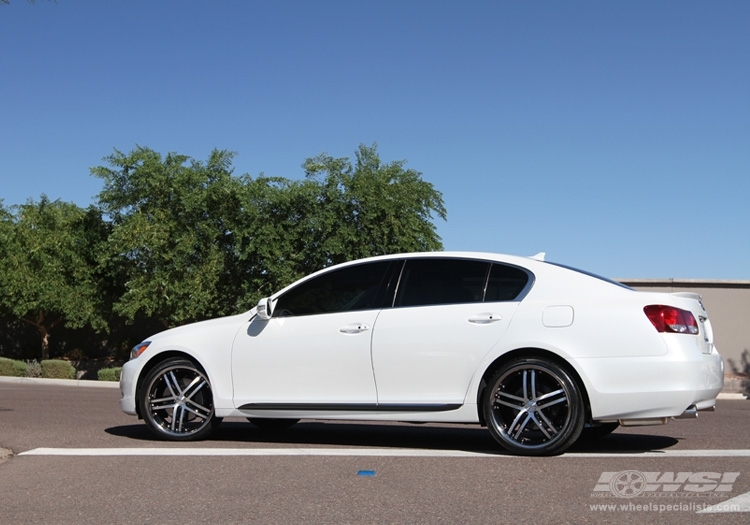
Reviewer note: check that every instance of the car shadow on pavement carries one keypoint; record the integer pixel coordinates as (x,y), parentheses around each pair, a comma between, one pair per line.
(465,438)
(624,443)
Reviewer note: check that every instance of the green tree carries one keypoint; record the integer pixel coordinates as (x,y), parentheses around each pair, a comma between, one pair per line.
(374,208)
(339,212)
(48,270)
(279,234)
(171,239)
(190,240)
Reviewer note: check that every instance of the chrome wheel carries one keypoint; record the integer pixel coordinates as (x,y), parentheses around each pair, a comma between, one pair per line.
(533,407)
(176,401)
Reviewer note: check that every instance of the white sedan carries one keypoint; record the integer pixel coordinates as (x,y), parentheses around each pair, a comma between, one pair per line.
(535,351)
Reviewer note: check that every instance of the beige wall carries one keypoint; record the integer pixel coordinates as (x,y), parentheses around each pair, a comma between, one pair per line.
(728,307)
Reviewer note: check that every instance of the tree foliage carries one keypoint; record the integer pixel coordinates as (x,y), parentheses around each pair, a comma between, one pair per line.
(339,212)
(48,268)
(171,240)
(374,208)
(177,240)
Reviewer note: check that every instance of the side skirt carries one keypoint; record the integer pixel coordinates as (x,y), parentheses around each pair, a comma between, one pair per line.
(347,407)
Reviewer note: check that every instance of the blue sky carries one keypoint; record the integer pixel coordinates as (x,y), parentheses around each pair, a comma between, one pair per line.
(615,136)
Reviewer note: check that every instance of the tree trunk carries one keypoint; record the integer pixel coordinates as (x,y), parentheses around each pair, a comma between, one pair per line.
(45,342)
(44,325)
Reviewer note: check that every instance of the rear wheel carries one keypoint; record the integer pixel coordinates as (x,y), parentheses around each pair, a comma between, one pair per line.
(533,407)
(176,401)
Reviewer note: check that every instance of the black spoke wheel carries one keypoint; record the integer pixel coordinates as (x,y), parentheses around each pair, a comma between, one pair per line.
(176,401)
(533,407)
(267,423)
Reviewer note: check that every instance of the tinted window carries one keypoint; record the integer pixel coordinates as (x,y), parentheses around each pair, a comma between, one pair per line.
(441,281)
(352,288)
(595,276)
(505,283)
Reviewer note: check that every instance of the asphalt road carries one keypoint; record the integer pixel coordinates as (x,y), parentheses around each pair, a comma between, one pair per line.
(72,457)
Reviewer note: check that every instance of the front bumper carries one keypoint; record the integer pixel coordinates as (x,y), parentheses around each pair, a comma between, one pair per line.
(128,387)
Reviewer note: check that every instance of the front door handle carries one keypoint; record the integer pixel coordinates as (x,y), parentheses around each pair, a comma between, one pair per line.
(354,328)
(485,318)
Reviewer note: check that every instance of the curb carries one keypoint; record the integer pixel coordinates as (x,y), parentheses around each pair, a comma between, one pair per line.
(60,382)
(732,395)
(736,385)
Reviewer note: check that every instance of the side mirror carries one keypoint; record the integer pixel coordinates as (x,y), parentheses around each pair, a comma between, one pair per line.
(264,309)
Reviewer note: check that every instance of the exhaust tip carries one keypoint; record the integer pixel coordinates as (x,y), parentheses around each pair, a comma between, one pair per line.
(690,413)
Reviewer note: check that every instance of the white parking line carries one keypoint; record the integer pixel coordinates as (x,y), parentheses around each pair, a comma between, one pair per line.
(184,451)
(363,452)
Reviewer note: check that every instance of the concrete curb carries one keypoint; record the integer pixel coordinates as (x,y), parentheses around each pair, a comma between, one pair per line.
(736,385)
(732,395)
(60,382)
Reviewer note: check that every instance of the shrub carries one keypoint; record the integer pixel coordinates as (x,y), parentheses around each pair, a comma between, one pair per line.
(19,368)
(57,369)
(33,369)
(109,374)
(6,366)
(11,367)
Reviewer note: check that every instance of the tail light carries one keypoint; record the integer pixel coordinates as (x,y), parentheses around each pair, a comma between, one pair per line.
(671,320)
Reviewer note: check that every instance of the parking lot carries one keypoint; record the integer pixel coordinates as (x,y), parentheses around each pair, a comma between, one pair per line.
(71,456)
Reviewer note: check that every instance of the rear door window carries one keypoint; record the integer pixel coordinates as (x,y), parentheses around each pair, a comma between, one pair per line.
(442,281)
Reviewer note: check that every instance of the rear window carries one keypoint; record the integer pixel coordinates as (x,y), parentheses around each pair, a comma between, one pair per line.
(505,283)
(589,274)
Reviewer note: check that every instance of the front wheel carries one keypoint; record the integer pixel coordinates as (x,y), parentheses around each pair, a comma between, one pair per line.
(533,407)
(176,401)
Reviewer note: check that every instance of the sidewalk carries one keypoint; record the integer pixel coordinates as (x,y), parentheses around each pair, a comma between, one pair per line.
(738,385)
(62,382)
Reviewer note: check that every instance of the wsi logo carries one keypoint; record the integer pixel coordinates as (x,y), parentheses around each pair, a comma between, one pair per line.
(632,483)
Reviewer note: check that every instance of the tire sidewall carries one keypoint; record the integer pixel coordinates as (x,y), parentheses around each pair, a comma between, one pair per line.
(570,432)
(143,402)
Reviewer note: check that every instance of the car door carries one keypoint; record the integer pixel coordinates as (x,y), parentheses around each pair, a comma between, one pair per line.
(315,348)
(447,315)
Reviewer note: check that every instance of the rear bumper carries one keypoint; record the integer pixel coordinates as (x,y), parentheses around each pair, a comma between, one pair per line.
(653,387)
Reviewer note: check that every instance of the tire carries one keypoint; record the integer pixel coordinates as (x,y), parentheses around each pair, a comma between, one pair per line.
(176,401)
(533,407)
(596,431)
(267,423)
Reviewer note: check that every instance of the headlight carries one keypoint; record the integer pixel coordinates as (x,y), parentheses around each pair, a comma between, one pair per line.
(139,349)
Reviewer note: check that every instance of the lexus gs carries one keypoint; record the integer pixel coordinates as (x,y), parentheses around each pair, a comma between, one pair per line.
(537,352)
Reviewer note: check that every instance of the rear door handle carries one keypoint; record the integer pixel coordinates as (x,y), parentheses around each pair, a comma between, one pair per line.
(485,318)
(354,328)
